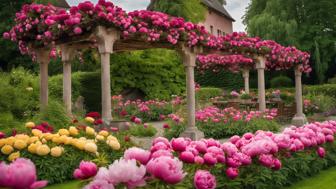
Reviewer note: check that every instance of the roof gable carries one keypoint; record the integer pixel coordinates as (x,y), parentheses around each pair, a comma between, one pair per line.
(218,7)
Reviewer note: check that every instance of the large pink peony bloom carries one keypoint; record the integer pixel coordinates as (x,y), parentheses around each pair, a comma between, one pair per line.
(21,174)
(167,169)
(123,172)
(179,144)
(232,173)
(86,170)
(138,154)
(204,180)
(99,184)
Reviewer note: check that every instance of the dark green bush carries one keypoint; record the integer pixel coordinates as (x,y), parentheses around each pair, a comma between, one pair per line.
(224,79)
(281,82)
(332,80)
(207,93)
(327,89)
(224,130)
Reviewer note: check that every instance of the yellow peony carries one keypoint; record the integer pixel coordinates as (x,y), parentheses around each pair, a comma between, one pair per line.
(37,132)
(73,131)
(10,141)
(44,141)
(42,150)
(100,137)
(90,147)
(104,133)
(23,137)
(80,144)
(33,139)
(13,156)
(115,145)
(20,144)
(2,142)
(30,125)
(90,131)
(48,136)
(68,141)
(63,132)
(56,139)
(7,149)
(89,120)
(56,151)
(63,139)
(32,148)
(112,138)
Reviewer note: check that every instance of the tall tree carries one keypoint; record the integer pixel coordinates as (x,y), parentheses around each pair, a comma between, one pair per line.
(309,25)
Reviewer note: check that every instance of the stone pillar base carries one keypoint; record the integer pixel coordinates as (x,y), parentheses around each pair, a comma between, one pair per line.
(299,120)
(193,133)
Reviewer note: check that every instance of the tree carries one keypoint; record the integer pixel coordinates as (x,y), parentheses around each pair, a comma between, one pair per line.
(308,25)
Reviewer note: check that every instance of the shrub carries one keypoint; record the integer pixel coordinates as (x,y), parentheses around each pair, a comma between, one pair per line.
(208,93)
(142,130)
(224,79)
(54,114)
(332,80)
(323,102)
(281,81)
(174,129)
(327,89)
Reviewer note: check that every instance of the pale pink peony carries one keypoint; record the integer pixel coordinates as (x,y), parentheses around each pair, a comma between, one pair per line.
(99,184)
(204,180)
(138,154)
(20,174)
(166,169)
(86,170)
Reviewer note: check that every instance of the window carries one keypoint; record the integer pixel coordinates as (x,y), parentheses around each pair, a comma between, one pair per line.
(219,32)
(211,29)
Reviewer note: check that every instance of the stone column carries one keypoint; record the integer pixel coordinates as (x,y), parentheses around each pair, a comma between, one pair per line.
(67,56)
(106,39)
(299,119)
(189,60)
(260,65)
(42,57)
(246,76)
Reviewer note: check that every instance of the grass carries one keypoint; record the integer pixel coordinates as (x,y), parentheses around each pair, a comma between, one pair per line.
(69,185)
(325,180)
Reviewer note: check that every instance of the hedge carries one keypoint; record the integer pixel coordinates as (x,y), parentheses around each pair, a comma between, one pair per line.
(207,93)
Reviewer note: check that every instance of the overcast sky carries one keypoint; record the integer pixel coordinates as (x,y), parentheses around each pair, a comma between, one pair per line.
(235,7)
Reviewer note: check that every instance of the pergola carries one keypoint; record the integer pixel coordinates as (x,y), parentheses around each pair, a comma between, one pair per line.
(41,29)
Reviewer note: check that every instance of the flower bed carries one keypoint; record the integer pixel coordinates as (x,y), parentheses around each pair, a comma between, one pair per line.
(218,124)
(260,160)
(57,154)
(151,110)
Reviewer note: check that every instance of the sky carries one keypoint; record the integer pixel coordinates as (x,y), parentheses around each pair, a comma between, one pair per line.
(235,7)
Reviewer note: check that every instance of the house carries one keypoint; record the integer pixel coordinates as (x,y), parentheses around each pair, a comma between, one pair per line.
(217,20)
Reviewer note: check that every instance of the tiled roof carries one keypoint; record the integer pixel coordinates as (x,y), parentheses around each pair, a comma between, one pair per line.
(218,7)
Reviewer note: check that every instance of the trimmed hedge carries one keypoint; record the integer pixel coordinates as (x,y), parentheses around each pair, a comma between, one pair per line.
(281,81)
(207,93)
(326,89)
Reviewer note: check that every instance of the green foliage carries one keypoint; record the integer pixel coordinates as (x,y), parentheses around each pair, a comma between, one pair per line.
(191,10)
(224,130)
(224,79)
(208,93)
(281,82)
(332,80)
(174,130)
(54,114)
(327,89)
(56,86)
(323,102)
(142,131)
(309,25)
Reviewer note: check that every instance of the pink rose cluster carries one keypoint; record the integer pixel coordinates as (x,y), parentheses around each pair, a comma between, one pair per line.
(216,115)
(44,25)
(20,174)
(218,62)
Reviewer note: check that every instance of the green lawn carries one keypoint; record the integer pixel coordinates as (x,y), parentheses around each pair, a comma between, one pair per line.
(325,180)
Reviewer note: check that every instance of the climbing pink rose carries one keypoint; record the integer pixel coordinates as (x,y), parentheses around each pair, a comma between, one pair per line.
(86,170)
(138,154)
(166,169)
(20,174)
(321,152)
(232,173)
(78,30)
(204,180)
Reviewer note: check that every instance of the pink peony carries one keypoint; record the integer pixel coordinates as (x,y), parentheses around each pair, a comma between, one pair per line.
(209,159)
(99,184)
(232,173)
(78,30)
(166,169)
(179,144)
(86,170)
(138,154)
(204,180)
(20,174)
(187,157)
(321,152)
